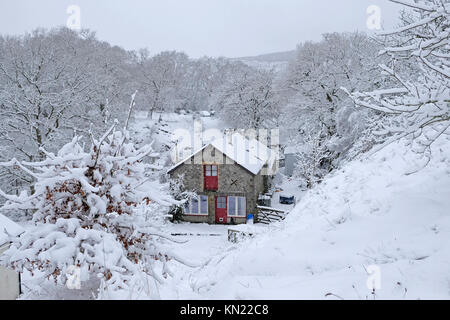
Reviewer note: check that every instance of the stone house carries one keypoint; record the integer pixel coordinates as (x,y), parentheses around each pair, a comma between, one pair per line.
(228,175)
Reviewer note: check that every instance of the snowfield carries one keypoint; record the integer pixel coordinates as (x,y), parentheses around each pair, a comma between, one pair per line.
(370,223)
(374,220)
(363,116)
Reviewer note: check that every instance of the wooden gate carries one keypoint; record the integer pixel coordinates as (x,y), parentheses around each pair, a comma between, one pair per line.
(267,215)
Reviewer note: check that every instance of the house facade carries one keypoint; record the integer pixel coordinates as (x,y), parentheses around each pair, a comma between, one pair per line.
(226,179)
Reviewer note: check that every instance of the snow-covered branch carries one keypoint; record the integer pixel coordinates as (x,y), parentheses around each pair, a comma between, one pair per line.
(420,58)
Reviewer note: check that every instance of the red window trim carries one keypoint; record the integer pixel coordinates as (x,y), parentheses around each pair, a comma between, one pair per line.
(208,168)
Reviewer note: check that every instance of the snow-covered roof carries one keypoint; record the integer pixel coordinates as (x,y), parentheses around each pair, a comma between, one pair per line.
(248,153)
(8,229)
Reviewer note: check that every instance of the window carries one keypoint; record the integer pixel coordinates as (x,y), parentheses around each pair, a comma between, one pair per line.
(237,207)
(208,171)
(197,206)
(194,206)
(204,204)
(221,203)
(211,171)
(242,207)
(211,177)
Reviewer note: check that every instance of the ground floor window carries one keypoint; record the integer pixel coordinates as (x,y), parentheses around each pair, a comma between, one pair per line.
(237,207)
(197,206)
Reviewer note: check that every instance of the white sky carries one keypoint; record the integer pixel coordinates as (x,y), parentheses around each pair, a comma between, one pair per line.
(231,28)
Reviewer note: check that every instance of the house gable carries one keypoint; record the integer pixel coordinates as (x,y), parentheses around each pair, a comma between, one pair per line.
(207,159)
(232,176)
(252,155)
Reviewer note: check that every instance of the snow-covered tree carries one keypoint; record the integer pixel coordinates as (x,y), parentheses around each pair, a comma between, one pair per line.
(52,84)
(162,79)
(248,100)
(204,78)
(312,155)
(314,102)
(318,116)
(95,210)
(313,81)
(419,54)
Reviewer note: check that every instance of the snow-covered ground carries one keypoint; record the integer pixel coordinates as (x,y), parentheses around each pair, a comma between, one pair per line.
(288,187)
(372,220)
(202,242)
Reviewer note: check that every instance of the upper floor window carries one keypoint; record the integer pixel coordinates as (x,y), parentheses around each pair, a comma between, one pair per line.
(211,173)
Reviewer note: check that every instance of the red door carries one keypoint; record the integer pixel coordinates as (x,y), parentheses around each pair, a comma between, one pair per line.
(211,174)
(221,210)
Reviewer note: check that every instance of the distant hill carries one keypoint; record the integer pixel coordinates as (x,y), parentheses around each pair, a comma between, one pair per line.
(271,61)
(286,56)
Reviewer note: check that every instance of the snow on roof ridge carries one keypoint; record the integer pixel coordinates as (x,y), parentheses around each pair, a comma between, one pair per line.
(8,229)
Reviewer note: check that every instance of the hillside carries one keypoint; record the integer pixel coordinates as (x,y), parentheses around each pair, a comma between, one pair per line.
(285,56)
(272,61)
(370,216)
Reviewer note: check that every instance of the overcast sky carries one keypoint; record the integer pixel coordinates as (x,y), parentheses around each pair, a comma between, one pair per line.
(231,28)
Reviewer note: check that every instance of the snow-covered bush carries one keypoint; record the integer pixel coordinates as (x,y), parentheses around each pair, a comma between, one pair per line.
(94,210)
